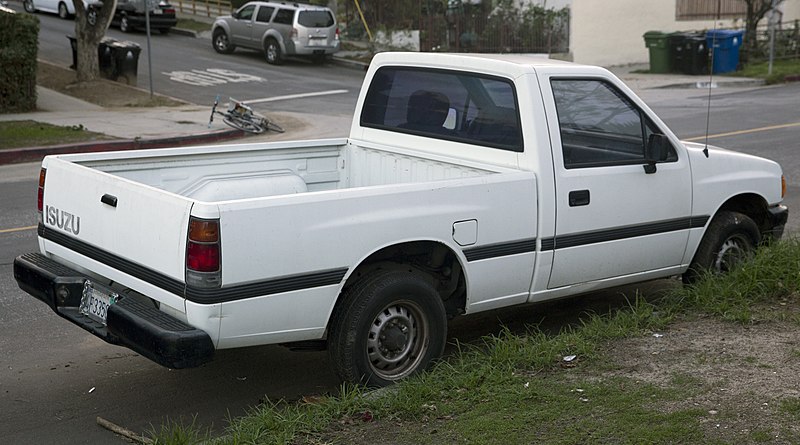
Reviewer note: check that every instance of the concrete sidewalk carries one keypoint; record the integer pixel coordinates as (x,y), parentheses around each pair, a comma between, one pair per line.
(154,127)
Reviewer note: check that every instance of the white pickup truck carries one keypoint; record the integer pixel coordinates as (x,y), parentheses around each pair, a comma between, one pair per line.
(468,183)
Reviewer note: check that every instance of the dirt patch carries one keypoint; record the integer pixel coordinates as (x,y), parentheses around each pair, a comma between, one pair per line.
(745,377)
(105,93)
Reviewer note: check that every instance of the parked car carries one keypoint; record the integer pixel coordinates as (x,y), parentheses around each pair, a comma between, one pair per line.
(64,8)
(278,29)
(130,15)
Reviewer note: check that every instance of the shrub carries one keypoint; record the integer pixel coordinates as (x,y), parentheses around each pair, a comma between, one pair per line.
(19,35)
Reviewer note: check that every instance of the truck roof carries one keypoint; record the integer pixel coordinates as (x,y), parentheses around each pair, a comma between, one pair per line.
(501,64)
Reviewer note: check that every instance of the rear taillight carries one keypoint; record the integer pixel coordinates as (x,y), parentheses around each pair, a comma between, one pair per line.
(40,194)
(336,36)
(169,11)
(203,255)
(293,35)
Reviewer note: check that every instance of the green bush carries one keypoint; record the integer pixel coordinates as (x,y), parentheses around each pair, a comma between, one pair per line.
(19,35)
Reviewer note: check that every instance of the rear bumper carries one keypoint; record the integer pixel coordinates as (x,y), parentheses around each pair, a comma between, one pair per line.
(156,21)
(778,216)
(132,321)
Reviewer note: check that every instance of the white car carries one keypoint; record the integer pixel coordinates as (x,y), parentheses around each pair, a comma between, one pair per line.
(64,8)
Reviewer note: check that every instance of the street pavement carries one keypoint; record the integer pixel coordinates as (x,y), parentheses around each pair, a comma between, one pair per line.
(154,127)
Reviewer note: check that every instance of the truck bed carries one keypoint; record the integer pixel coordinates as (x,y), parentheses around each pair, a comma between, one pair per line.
(247,171)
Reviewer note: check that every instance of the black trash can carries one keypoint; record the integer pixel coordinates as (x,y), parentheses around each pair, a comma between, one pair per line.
(696,54)
(678,56)
(103,54)
(125,61)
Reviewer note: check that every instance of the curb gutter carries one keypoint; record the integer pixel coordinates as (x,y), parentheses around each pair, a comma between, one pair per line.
(31,154)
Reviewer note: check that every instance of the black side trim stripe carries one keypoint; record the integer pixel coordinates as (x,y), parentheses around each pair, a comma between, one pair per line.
(202,296)
(501,249)
(619,233)
(269,287)
(143,273)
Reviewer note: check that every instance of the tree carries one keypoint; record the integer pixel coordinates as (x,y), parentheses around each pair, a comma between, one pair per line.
(88,34)
(756,10)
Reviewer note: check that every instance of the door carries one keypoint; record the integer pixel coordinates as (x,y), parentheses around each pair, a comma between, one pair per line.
(261,24)
(242,26)
(614,217)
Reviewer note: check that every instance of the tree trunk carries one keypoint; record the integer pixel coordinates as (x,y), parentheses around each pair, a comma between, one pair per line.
(756,10)
(88,37)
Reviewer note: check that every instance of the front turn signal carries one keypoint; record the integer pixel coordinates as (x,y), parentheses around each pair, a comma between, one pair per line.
(783,186)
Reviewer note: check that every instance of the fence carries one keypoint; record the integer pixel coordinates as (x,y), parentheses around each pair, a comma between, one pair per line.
(208,8)
(502,26)
(787,42)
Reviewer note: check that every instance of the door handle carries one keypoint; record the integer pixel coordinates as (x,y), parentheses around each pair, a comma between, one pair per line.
(578,198)
(110,200)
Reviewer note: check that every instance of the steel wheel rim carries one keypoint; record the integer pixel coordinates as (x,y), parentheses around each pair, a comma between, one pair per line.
(272,52)
(62,10)
(222,41)
(733,251)
(397,340)
(28,4)
(123,24)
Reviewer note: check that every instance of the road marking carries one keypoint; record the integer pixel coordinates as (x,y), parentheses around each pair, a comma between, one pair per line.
(295,96)
(18,229)
(736,133)
(210,77)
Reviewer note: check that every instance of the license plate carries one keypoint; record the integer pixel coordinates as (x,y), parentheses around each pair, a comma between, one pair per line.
(157,11)
(96,300)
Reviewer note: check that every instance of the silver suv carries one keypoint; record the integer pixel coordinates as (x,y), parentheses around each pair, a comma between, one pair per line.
(278,29)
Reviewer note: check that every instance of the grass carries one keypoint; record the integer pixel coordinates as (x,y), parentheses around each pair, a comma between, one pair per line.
(14,134)
(516,388)
(780,69)
(193,25)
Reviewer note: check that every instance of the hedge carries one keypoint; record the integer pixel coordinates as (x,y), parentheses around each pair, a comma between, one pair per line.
(19,36)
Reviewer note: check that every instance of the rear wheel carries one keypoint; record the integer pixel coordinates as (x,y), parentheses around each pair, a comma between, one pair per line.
(272,126)
(731,238)
(63,12)
(272,52)
(388,326)
(221,42)
(163,30)
(243,124)
(29,6)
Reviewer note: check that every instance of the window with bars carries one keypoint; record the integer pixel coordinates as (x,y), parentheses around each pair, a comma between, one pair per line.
(709,9)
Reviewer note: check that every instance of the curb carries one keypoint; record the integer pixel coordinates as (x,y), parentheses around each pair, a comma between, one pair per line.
(704,84)
(31,154)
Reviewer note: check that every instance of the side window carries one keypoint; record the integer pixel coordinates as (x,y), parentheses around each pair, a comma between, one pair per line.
(246,13)
(284,17)
(264,14)
(599,125)
(451,105)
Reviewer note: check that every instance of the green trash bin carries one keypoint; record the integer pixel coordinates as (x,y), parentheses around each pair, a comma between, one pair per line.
(656,42)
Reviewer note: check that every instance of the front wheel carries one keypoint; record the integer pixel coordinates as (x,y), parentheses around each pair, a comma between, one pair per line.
(221,43)
(29,6)
(124,26)
(388,326)
(272,126)
(731,238)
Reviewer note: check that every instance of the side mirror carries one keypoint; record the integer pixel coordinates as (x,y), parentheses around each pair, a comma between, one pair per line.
(655,151)
(235,14)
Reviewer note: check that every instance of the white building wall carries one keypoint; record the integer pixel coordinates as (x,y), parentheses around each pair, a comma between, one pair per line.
(610,32)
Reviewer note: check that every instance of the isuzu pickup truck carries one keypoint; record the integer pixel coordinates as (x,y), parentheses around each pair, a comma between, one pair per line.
(468,183)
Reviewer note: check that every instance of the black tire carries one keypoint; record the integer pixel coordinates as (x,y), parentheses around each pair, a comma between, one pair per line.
(388,326)
(731,238)
(272,52)
(91,17)
(243,124)
(124,26)
(221,42)
(164,31)
(63,12)
(29,6)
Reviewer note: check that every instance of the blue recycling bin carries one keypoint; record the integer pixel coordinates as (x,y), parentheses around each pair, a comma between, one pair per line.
(725,43)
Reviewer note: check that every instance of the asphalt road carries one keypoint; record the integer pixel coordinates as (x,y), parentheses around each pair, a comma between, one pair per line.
(55,379)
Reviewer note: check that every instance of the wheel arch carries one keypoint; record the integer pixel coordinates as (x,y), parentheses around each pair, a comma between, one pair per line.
(753,205)
(441,264)
(272,34)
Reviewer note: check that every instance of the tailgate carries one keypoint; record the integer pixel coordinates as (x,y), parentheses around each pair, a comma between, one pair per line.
(126,226)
